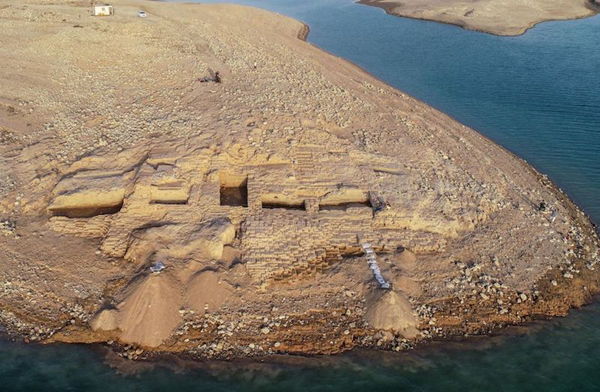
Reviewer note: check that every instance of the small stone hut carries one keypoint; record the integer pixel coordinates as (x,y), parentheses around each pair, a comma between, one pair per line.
(102,10)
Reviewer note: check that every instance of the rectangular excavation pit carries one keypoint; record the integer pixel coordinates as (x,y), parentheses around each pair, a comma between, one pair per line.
(87,204)
(170,194)
(345,198)
(169,202)
(345,206)
(274,205)
(234,190)
(282,201)
(86,212)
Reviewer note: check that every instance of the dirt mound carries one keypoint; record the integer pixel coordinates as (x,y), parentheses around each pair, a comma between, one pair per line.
(106,320)
(401,272)
(392,312)
(150,311)
(405,260)
(213,235)
(206,288)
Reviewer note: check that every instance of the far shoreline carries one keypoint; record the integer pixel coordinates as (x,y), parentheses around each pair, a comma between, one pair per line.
(389,7)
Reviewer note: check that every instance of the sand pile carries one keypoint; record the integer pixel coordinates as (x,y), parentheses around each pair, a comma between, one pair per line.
(148,313)
(392,312)
(149,310)
(106,320)
(401,268)
(206,292)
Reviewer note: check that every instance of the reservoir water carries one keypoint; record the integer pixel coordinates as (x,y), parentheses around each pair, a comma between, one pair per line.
(537,94)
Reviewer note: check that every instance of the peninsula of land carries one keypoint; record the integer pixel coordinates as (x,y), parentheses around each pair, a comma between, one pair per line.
(198,179)
(499,17)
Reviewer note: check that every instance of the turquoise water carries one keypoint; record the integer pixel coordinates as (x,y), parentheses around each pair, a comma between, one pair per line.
(537,94)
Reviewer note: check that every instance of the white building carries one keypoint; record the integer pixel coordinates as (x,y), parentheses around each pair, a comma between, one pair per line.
(103,10)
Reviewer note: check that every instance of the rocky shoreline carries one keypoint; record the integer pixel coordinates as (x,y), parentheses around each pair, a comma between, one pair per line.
(112,168)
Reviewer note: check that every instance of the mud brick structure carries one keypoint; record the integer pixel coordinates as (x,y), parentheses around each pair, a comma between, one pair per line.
(294,217)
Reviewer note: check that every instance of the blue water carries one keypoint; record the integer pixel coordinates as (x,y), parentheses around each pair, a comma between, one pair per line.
(537,94)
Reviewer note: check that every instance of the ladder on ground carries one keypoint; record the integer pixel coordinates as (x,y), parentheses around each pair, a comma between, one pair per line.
(372,260)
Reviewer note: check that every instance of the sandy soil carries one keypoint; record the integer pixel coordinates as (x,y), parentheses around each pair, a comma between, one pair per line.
(499,17)
(113,156)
